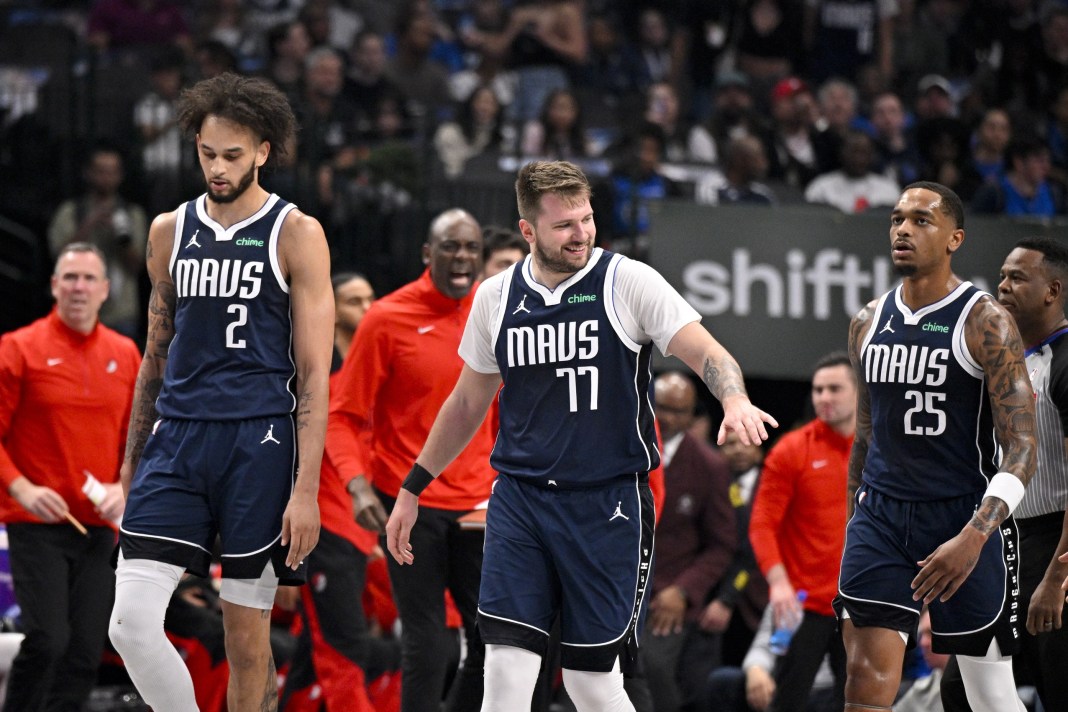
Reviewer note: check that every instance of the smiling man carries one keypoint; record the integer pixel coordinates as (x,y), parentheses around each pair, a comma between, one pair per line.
(570,331)
(945,443)
(399,370)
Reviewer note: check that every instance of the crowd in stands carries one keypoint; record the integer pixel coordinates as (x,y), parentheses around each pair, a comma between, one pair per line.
(757,102)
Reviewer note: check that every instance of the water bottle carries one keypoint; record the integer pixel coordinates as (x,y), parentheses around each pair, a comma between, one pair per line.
(780,637)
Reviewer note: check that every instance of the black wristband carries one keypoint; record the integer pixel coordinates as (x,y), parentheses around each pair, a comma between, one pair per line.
(417,480)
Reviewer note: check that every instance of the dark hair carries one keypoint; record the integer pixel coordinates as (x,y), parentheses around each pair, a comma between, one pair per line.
(343,277)
(83,247)
(465,118)
(1054,253)
(834,358)
(248,101)
(576,134)
(496,238)
(951,204)
(1024,147)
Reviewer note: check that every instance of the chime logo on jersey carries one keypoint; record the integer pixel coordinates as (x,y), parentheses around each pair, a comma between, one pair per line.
(898,363)
(552,343)
(218,278)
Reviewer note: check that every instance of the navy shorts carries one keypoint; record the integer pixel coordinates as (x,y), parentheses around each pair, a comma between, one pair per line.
(884,540)
(202,479)
(585,554)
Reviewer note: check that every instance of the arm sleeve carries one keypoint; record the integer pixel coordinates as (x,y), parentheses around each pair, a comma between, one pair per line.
(648,307)
(12,368)
(772,498)
(348,429)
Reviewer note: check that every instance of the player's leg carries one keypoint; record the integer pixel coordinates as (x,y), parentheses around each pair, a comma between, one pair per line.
(143,589)
(989,682)
(246,608)
(511,674)
(597,691)
(873,668)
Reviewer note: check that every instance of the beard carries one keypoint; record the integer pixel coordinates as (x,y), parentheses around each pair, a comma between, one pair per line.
(239,189)
(559,265)
(905,270)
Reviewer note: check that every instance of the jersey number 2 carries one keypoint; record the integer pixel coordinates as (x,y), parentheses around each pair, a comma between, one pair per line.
(572,384)
(241,310)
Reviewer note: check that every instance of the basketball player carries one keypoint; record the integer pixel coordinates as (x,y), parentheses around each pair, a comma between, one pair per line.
(943,389)
(570,330)
(237,362)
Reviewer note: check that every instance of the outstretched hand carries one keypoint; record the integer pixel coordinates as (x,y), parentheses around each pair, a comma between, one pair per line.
(742,417)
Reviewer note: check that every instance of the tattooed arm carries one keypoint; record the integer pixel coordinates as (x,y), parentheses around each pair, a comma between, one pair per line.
(858,329)
(161,304)
(305,260)
(995,343)
(720,372)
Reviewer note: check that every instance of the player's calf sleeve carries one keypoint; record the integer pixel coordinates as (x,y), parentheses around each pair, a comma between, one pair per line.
(143,589)
(988,681)
(510,674)
(597,691)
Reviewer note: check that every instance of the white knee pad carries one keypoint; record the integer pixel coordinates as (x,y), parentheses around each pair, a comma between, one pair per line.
(251,593)
(143,589)
(511,674)
(597,691)
(988,681)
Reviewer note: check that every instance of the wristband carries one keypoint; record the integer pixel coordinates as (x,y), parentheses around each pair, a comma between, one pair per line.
(417,480)
(1007,487)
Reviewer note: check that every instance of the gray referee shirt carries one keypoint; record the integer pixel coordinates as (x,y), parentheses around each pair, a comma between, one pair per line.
(1047,365)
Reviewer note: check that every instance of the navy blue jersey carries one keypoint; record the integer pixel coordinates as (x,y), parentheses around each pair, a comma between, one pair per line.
(231,357)
(576,405)
(932,430)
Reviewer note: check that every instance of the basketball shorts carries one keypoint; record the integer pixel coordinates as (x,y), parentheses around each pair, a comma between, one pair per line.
(885,539)
(198,480)
(585,554)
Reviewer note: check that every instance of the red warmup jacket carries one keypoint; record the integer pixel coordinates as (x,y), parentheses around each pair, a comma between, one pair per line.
(64,408)
(401,367)
(799,511)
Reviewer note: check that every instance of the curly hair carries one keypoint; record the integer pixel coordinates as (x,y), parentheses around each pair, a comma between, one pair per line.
(248,101)
(560,178)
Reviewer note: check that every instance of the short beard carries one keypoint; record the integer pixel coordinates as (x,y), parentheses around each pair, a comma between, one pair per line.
(905,270)
(557,265)
(239,189)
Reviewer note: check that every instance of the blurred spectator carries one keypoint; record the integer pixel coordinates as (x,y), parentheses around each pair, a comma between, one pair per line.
(225,21)
(483,59)
(989,144)
(326,142)
(733,112)
(134,24)
(702,35)
(1053,62)
(1056,135)
(843,35)
(921,41)
(545,40)
(66,383)
(654,48)
(559,133)
(1016,37)
(856,186)
(1025,189)
(798,531)
(424,82)
(695,544)
(839,113)
(501,248)
(743,166)
(742,596)
(945,156)
(636,184)
(934,98)
(104,218)
(751,686)
(792,152)
(770,40)
(162,147)
(330,24)
(288,45)
(925,695)
(612,72)
(213,58)
(476,130)
(684,142)
(366,83)
(895,147)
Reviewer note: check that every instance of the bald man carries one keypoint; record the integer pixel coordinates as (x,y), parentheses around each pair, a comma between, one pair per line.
(695,542)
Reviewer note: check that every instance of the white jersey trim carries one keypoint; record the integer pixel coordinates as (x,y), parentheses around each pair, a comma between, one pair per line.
(874,326)
(913,317)
(179,227)
(961,352)
(513,622)
(252,553)
(552,297)
(225,234)
(610,305)
(164,538)
(272,252)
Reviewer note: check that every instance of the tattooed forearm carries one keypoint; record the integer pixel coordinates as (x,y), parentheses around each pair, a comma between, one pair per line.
(858,327)
(142,416)
(991,513)
(857,456)
(723,378)
(304,410)
(143,413)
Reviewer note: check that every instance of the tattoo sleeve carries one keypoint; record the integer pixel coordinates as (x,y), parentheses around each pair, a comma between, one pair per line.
(161,305)
(723,377)
(858,328)
(995,343)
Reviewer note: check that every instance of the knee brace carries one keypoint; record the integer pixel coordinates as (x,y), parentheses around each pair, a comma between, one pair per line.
(988,681)
(511,674)
(597,691)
